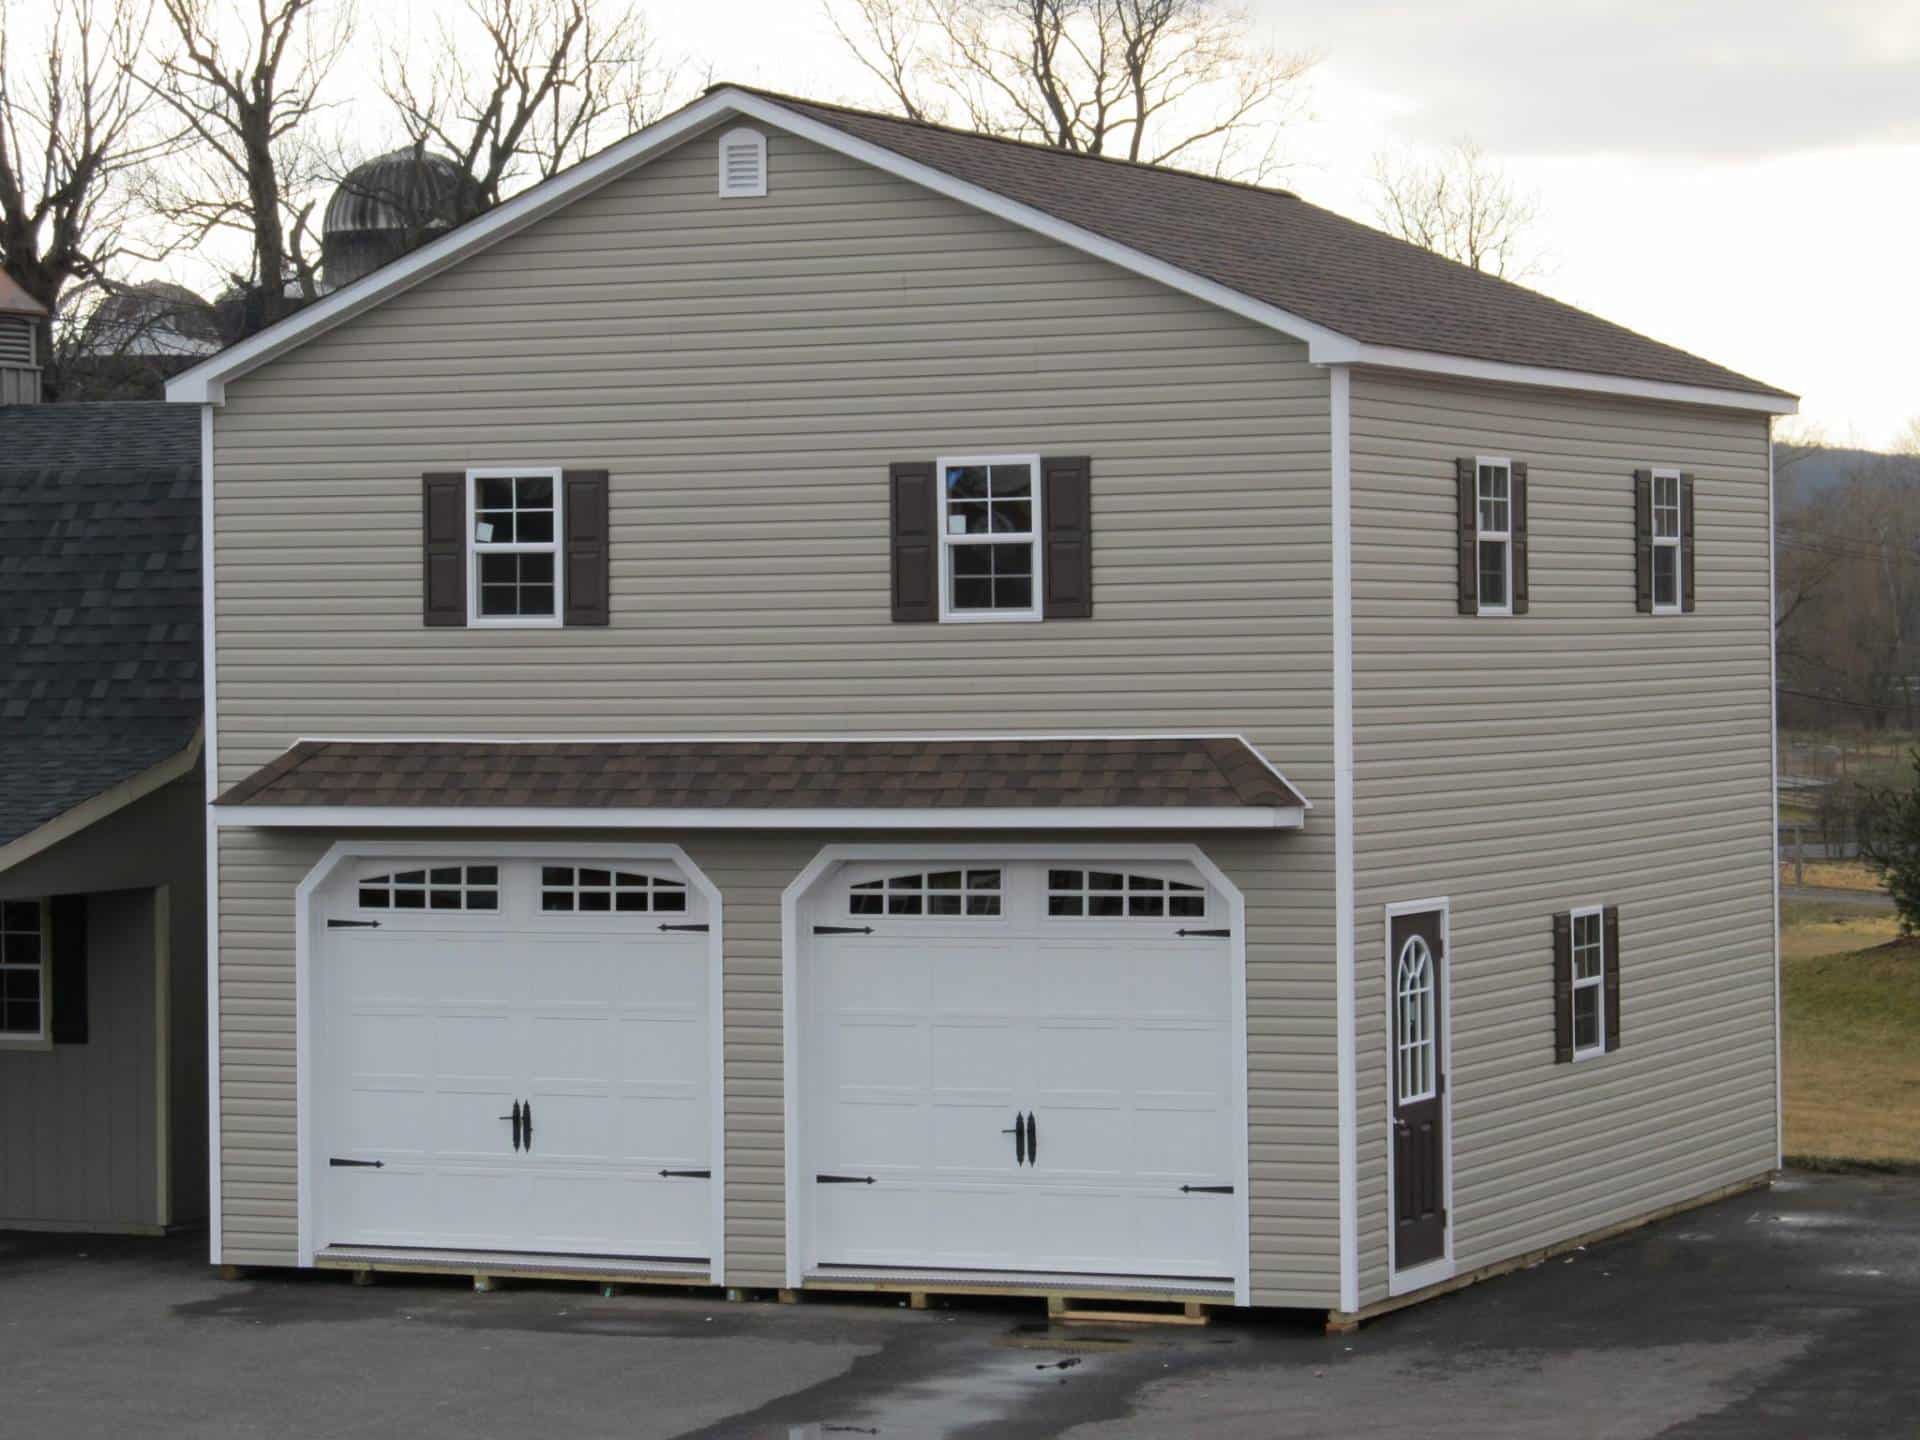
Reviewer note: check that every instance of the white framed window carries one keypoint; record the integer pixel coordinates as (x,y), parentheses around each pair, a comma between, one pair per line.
(990,525)
(432,887)
(1118,895)
(973,892)
(1589,959)
(1667,559)
(23,971)
(1416,1044)
(591,889)
(514,523)
(1493,561)
(743,164)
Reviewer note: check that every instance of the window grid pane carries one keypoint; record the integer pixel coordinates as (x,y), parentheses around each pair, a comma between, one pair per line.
(597,890)
(955,892)
(1112,895)
(1416,1062)
(1666,573)
(445,887)
(985,507)
(20,974)
(1494,499)
(1493,572)
(1666,507)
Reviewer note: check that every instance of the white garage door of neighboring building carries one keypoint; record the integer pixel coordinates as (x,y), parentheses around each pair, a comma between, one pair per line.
(513,1055)
(1021,1067)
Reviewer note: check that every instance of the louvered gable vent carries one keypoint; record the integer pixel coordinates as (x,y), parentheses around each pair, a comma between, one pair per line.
(16,341)
(743,164)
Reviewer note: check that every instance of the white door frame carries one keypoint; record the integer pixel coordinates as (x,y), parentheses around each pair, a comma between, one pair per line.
(1434,1271)
(831,857)
(305,942)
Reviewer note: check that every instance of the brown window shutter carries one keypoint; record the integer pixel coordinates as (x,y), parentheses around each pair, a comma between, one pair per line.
(589,567)
(1686,542)
(1563,988)
(1066,487)
(67,956)
(1517,520)
(1643,541)
(1464,475)
(443,585)
(916,568)
(1610,926)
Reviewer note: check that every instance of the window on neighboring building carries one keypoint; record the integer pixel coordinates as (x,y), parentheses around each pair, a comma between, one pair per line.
(1495,498)
(1589,959)
(515,542)
(23,970)
(1667,559)
(990,558)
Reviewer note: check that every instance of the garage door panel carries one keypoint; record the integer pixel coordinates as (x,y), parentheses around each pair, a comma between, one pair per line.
(872,1051)
(869,1225)
(432,1029)
(878,1135)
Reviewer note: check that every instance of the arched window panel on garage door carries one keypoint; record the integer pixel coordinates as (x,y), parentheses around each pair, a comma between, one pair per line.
(432,887)
(1100,894)
(969,891)
(603,890)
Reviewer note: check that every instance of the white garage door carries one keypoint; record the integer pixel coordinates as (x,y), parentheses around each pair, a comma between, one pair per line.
(514,1056)
(1023,1066)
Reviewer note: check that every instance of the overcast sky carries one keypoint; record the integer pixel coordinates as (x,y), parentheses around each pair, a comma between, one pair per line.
(1737,177)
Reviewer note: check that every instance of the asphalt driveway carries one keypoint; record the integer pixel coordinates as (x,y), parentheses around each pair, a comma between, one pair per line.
(1794,1312)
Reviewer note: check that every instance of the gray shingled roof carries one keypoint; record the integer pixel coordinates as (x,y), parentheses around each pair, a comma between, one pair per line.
(1274,247)
(99,600)
(1173,771)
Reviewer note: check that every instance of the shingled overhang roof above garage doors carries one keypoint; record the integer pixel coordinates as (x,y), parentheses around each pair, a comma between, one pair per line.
(1052,783)
(1354,295)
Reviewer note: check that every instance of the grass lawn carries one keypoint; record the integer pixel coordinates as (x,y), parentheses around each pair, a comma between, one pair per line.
(1833,875)
(1852,1035)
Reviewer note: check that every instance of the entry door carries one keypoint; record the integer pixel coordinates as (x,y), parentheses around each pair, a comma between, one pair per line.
(1419,1138)
(514,1076)
(1017,1087)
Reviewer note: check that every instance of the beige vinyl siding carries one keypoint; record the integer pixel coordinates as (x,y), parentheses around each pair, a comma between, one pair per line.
(1581,754)
(747,370)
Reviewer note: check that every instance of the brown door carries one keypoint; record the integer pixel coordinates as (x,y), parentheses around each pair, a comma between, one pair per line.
(1419,1139)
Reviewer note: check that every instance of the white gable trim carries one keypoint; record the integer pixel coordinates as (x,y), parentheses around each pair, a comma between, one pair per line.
(205,383)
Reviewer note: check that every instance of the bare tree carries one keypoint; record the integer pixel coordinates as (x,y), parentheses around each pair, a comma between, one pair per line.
(247,83)
(73,132)
(1167,82)
(558,79)
(1462,205)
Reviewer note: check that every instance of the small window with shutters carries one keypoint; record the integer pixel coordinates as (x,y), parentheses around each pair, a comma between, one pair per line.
(992,537)
(1586,982)
(1493,535)
(1663,534)
(24,954)
(524,546)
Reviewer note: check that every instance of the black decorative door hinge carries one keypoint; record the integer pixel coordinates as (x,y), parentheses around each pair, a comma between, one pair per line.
(1206,1189)
(843,929)
(338,1164)
(843,1179)
(686,1174)
(353,924)
(701,929)
(1205,934)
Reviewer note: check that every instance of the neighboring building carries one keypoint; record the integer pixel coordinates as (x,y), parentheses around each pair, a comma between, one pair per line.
(23,325)
(136,339)
(826,702)
(103,1049)
(388,206)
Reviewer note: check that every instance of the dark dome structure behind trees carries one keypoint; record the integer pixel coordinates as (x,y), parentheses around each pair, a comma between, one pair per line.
(390,205)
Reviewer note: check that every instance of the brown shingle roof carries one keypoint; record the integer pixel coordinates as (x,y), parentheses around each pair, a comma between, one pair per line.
(1274,247)
(770,774)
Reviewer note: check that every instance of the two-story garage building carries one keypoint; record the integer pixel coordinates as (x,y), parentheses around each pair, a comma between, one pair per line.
(822,701)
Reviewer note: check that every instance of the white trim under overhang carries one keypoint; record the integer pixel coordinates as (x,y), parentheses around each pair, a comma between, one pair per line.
(535,817)
(206,383)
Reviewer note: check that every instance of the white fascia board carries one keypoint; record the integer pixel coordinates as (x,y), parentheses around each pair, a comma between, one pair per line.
(431,817)
(1457,367)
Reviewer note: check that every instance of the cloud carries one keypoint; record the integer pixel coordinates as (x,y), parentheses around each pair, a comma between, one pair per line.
(1639,76)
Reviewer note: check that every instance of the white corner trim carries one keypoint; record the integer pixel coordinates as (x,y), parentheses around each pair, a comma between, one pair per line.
(1773,838)
(96,808)
(210,729)
(206,382)
(451,817)
(793,1078)
(1345,998)
(304,921)
(1405,1282)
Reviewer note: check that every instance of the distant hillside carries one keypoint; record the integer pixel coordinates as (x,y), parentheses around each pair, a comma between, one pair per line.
(1804,475)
